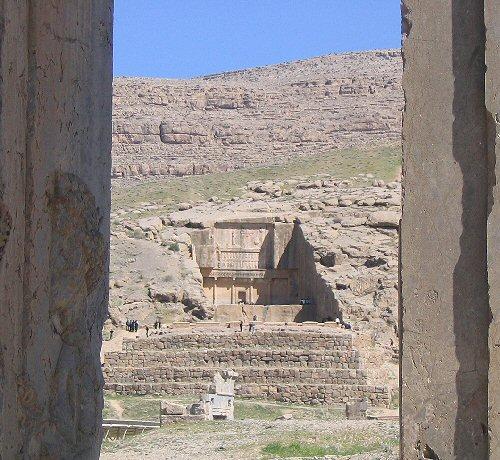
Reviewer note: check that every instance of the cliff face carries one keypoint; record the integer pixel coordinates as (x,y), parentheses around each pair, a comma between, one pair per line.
(256,116)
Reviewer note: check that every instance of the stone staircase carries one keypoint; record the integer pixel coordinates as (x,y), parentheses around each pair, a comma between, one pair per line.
(285,365)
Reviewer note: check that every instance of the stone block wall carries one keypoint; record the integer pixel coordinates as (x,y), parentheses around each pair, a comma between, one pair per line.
(245,375)
(266,339)
(283,392)
(230,357)
(292,366)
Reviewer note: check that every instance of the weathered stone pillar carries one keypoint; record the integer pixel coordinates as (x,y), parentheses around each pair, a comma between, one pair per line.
(449,189)
(215,292)
(251,294)
(492,21)
(55,142)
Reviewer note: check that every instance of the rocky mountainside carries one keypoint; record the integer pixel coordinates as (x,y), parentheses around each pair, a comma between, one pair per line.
(256,116)
(351,234)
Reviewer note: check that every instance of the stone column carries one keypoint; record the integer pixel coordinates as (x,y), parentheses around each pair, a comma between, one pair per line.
(251,291)
(215,291)
(55,138)
(492,21)
(445,308)
(232,291)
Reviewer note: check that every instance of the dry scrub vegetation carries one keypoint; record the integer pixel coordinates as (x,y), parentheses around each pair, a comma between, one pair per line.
(383,163)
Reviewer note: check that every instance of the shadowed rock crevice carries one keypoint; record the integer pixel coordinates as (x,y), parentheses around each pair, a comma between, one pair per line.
(5,227)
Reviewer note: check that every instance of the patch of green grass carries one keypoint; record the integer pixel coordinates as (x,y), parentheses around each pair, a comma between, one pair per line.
(243,410)
(294,449)
(383,163)
(257,410)
(139,407)
(108,412)
(299,449)
(306,443)
(134,407)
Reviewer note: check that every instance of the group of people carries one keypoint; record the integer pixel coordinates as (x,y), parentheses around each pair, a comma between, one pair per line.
(132,325)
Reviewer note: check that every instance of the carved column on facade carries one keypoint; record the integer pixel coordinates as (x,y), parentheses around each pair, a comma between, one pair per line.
(251,293)
(447,202)
(215,291)
(55,143)
(232,291)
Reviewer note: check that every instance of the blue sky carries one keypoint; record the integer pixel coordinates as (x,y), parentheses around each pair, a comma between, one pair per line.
(186,38)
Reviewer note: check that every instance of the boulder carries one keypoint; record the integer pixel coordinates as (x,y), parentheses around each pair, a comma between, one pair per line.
(345,202)
(184,206)
(150,224)
(331,201)
(307,185)
(170,408)
(353,221)
(386,219)
(332,259)
(356,410)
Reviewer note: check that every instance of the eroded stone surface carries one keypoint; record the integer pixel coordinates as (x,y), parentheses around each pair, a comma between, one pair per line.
(254,116)
(5,227)
(444,299)
(342,250)
(55,142)
(77,258)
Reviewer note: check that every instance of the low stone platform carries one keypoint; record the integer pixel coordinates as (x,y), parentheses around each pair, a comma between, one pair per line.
(285,365)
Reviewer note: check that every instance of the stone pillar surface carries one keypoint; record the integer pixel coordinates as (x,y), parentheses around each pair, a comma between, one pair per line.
(492,21)
(55,143)
(445,310)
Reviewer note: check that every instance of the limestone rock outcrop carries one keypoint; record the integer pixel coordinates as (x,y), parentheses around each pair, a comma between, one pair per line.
(348,246)
(256,116)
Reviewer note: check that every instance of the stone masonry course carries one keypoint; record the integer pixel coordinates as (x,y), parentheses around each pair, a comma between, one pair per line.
(286,365)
